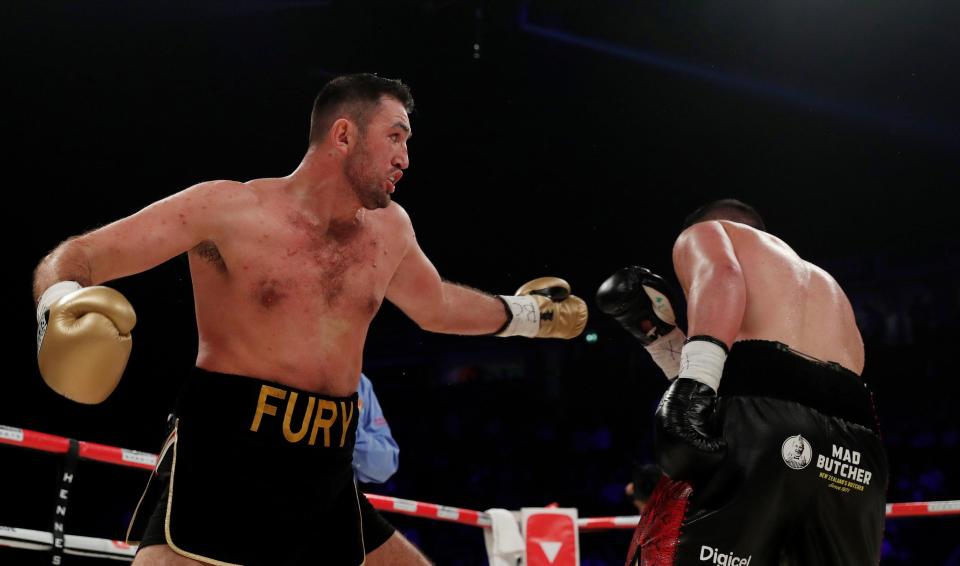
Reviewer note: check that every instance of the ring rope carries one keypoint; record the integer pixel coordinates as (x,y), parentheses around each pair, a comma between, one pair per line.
(136,459)
(119,550)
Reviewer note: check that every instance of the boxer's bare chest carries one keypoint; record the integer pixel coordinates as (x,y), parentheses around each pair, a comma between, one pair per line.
(285,263)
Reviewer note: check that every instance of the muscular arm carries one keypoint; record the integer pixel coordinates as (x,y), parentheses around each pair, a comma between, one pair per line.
(709,271)
(442,306)
(434,304)
(138,242)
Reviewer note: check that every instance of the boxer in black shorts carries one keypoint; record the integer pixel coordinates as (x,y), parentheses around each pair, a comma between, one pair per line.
(287,274)
(771,455)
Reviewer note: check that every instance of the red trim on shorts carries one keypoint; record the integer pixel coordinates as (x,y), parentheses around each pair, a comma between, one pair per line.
(655,540)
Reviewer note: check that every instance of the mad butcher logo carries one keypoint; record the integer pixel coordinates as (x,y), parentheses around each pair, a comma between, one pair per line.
(843,467)
(796,452)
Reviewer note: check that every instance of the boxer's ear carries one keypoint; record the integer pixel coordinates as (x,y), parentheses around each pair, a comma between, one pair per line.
(343,134)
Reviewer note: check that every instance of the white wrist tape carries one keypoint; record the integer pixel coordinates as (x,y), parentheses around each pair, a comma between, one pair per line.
(665,352)
(526,316)
(53,294)
(703,361)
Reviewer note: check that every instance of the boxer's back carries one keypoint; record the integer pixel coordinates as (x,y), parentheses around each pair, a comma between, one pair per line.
(792,301)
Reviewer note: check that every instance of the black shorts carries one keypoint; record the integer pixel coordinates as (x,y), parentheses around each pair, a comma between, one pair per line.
(255,473)
(804,480)
(376,529)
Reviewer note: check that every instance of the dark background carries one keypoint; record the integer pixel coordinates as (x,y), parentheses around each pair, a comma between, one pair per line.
(552,137)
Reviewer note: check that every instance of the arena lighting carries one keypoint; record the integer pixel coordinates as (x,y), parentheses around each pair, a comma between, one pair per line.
(939,130)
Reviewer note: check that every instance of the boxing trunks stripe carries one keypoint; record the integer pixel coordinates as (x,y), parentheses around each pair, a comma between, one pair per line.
(803,482)
(254,473)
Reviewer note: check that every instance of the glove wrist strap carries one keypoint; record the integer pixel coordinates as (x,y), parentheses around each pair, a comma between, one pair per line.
(665,352)
(53,294)
(702,359)
(524,314)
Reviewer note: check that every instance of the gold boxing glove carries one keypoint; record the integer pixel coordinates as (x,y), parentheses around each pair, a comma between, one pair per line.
(83,340)
(544,308)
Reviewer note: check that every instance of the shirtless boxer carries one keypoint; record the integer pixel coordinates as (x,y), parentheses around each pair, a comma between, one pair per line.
(768,438)
(287,274)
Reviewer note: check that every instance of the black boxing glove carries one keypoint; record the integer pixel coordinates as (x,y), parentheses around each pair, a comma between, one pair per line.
(688,441)
(642,302)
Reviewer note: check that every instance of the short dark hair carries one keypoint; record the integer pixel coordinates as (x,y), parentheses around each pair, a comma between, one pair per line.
(726,209)
(354,97)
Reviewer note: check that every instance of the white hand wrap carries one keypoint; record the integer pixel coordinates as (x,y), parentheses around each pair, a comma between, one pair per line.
(665,352)
(526,316)
(53,294)
(703,361)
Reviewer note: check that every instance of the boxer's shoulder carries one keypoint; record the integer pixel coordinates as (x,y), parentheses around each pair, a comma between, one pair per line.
(393,214)
(211,200)
(752,244)
(392,220)
(227,189)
